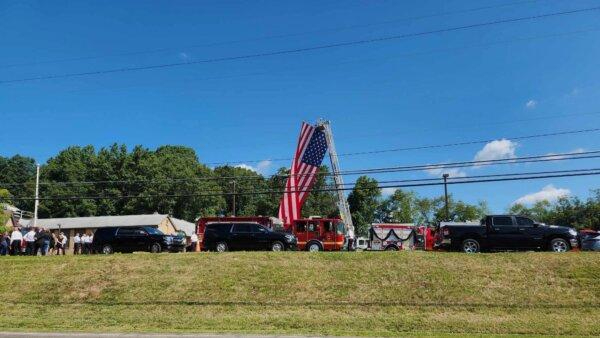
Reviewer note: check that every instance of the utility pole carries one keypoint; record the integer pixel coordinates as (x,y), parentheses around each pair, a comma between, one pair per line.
(37,195)
(445,176)
(234,192)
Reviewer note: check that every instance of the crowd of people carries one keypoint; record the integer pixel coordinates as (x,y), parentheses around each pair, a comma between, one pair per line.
(41,241)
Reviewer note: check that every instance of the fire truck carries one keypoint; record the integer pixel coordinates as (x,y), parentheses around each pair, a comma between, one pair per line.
(318,234)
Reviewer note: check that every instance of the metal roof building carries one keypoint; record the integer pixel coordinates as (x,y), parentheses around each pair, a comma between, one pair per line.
(165,223)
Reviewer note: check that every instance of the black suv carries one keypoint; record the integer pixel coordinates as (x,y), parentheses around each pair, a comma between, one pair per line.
(130,239)
(227,236)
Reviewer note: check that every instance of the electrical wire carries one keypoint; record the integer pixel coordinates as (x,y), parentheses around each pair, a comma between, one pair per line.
(431,146)
(532,176)
(301,50)
(404,168)
(278,36)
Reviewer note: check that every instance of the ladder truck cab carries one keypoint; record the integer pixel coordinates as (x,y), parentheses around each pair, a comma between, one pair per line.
(319,234)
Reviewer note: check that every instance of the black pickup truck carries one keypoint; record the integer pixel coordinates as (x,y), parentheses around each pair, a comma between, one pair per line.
(506,232)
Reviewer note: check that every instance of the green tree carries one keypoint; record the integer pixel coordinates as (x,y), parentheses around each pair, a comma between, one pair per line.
(364,202)
(400,207)
(248,185)
(4,199)
(18,174)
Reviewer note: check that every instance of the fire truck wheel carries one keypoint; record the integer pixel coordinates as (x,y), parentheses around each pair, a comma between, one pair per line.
(221,247)
(391,248)
(314,247)
(277,246)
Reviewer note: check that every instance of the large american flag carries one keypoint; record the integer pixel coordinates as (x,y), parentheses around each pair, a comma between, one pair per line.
(312,146)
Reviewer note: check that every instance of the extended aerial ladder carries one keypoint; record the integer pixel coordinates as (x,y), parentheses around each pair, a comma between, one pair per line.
(337,178)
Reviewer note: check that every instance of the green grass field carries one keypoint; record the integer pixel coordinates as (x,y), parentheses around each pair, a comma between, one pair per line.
(377,294)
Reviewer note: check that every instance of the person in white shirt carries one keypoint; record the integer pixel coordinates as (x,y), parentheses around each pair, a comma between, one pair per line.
(77,244)
(15,242)
(88,243)
(84,239)
(30,240)
(193,242)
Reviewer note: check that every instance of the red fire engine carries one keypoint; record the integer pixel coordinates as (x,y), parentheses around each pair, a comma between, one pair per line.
(318,234)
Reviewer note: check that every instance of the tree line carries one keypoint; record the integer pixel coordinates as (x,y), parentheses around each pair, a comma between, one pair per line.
(195,190)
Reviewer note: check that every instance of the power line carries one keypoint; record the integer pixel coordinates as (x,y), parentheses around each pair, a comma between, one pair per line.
(431,146)
(532,176)
(405,168)
(301,50)
(278,36)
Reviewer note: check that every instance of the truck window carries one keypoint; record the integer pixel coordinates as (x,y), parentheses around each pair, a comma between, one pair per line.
(300,227)
(313,227)
(502,221)
(524,221)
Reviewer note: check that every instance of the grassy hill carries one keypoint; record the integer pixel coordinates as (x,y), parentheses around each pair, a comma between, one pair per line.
(379,294)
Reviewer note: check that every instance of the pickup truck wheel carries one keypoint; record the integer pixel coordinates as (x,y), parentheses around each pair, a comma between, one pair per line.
(470,245)
(559,245)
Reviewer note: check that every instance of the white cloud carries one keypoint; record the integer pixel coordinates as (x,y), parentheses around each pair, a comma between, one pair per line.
(497,150)
(184,56)
(261,168)
(531,104)
(453,172)
(386,192)
(548,193)
(554,156)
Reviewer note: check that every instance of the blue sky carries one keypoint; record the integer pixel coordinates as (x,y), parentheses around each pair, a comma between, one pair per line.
(505,80)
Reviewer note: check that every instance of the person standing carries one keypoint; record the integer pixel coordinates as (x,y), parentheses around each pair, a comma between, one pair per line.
(193,242)
(30,242)
(53,242)
(61,241)
(84,239)
(90,239)
(4,243)
(15,242)
(45,240)
(77,244)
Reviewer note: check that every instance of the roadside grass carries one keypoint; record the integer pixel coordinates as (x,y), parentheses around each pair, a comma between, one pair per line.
(349,294)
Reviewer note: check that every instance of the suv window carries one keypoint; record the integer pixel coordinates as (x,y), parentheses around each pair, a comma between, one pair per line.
(241,228)
(502,221)
(127,231)
(524,221)
(220,228)
(257,228)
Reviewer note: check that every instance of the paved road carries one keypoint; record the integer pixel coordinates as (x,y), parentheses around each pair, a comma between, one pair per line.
(133,335)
